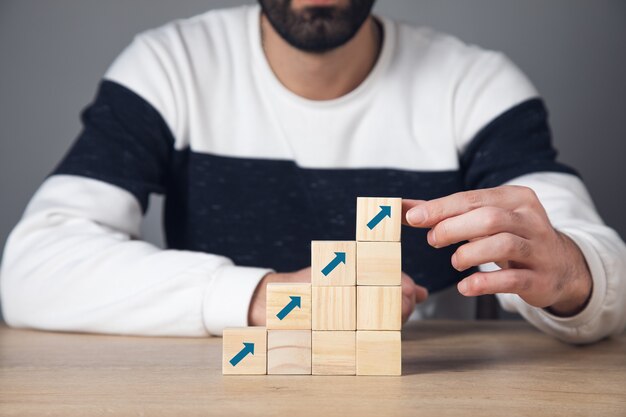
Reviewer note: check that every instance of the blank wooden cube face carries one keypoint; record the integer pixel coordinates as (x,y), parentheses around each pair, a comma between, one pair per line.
(379,308)
(333,263)
(289,352)
(378,263)
(289,306)
(378,219)
(334,353)
(334,308)
(378,353)
(244,351)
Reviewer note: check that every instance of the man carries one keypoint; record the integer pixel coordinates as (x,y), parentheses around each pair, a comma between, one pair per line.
(261,125)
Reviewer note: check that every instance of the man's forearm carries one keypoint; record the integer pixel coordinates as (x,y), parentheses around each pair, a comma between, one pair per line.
(72,264)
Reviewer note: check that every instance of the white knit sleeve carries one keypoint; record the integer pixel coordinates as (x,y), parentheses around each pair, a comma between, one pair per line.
(74,263)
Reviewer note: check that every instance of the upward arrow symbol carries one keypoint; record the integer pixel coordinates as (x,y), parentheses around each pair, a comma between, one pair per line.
(296,301)
(385,211)
(248,348)
(340,257)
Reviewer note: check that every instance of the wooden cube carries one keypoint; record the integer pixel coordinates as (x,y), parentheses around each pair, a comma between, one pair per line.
(378,353)
(379,308)
(244,351)
(334,308)
(378,263)
(333,263)
(289,352)
(378,219)
(334,353)
(288,306)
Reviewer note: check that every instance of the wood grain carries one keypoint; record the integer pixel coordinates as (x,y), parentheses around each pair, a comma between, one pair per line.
(379,263)
(334,353)
(378,353)
(334,308)
(379,308)
(289,352)
(449,369)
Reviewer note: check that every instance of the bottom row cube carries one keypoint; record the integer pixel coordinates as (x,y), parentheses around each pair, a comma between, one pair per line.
(255,350)
(334,352)
(289,352)
(378,353)
(244,351)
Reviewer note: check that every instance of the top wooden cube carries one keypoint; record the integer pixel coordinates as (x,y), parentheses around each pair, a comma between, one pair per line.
(378,219)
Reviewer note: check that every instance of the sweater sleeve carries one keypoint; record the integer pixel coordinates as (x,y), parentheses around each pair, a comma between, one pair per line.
(75,261)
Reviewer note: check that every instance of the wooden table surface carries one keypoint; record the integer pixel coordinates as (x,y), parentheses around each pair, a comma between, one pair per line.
(450,368)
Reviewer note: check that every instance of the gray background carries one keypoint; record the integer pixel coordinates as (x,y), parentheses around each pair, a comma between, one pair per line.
(53,53)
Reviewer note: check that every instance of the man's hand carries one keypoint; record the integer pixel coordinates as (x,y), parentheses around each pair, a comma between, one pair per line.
(509,226)
(411,294)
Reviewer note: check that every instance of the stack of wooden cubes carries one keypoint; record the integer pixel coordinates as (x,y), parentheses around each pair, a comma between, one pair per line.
(347,321)
(379,290)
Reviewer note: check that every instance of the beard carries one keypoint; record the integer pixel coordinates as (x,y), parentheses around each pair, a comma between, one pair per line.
(316,29)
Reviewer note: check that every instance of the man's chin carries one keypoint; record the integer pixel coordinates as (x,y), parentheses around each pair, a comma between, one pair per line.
(316,28)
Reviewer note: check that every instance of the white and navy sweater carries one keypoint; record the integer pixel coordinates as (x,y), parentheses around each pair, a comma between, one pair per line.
(252,173)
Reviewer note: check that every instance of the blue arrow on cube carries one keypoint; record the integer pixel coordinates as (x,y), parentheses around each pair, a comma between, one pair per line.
(340,257)
(248,349)
(385,211)
(296,301)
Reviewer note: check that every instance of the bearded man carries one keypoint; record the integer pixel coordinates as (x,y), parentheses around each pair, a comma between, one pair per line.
(261,125)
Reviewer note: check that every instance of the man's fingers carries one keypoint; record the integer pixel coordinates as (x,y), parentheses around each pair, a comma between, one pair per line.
(411,295)
(484,221)
(513,281)
(412,290)
(415,295)
(500,248)
(408,305)
(431,212)
(421,294)
(407,205)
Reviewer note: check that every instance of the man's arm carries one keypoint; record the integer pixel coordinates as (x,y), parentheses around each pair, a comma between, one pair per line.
(75,262)
(559,266)
(546,265)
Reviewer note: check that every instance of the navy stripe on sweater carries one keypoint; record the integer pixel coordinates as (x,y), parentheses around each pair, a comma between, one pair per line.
(264,213)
